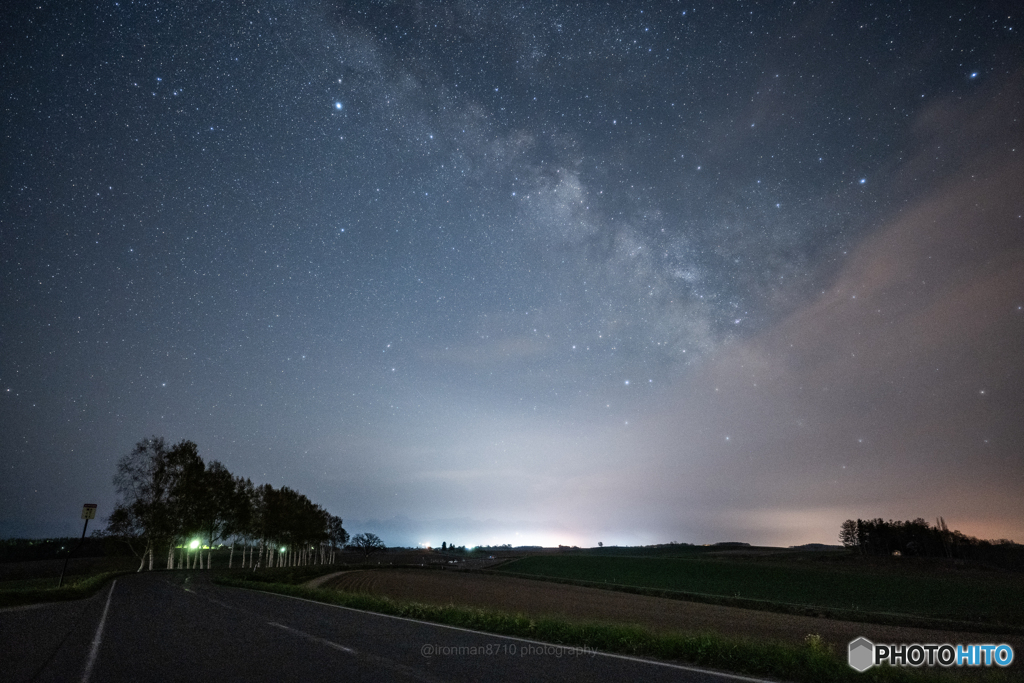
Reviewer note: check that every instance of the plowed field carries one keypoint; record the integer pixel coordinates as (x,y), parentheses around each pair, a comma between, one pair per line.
(540,598)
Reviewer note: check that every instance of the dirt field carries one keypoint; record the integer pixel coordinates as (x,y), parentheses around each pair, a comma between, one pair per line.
(538,598)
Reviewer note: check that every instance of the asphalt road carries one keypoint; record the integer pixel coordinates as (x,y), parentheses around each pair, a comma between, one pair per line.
(177,626)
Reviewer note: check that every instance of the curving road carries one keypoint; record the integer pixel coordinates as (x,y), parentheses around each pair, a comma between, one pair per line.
(177,626)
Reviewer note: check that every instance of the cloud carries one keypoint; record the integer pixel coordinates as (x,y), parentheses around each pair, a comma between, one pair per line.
(895,392)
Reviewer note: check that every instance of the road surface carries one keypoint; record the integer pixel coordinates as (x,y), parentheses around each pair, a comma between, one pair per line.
(177,626)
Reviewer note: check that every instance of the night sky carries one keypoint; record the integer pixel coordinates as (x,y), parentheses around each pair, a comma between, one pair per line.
(527,273)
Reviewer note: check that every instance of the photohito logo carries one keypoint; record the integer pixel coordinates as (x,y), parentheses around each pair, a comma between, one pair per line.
(863,654)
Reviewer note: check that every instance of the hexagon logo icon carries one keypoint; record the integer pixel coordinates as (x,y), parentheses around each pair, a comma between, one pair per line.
(862,654)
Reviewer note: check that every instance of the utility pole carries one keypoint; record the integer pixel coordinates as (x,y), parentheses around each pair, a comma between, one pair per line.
(88,512)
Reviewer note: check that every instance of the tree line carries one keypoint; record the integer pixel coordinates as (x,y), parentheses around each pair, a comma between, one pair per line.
(169,498)
(918,537)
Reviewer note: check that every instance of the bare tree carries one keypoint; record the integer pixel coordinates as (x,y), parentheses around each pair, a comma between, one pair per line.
(367,543)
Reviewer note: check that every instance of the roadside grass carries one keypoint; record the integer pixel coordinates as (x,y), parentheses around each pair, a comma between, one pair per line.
(31,591)
(993,603)
(811,662)
(33,583)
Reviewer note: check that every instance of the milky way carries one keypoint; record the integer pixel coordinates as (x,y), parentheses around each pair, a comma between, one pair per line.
(541,273)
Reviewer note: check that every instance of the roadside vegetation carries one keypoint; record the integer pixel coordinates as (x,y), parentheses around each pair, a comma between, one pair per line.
(811,662)
(31,591)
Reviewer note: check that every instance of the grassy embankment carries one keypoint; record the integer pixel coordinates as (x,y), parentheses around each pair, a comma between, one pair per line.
(883,594)
(31,591)
(811,662)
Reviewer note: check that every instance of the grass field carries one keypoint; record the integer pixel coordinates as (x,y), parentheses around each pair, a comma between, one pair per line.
(994,598)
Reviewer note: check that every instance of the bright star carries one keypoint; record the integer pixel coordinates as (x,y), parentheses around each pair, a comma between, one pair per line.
(338,105)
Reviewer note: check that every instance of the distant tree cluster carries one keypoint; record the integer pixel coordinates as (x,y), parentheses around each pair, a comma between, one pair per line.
(170,498)
(917,537)
(447,547)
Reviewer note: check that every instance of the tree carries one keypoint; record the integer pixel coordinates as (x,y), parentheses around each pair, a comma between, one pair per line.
(218,505)
(188,502)
(143,512)
(848,534)
(336,534)
(169,495)
(367,543)
(240,523)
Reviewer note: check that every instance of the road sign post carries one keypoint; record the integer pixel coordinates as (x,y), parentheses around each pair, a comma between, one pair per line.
(88,512)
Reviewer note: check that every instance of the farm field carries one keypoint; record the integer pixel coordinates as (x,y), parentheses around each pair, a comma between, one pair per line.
(540,598)
(976,596)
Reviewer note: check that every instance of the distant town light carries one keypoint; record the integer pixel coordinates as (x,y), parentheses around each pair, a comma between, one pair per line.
(193,545)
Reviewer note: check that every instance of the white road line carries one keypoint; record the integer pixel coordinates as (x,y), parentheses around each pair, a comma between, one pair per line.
(382,662)
(612,655)
(308,636)
(98,638)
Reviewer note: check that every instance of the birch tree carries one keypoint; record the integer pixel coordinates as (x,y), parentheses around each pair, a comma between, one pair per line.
(143,513)
(169,495)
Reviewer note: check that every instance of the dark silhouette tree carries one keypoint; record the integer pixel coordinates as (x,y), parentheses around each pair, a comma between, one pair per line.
(143,516)
(848,534)
(337,535)
(169,495)
(367,543)
(189,504)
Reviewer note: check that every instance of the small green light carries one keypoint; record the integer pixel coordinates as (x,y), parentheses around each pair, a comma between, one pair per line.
(194,545)
(282,549)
